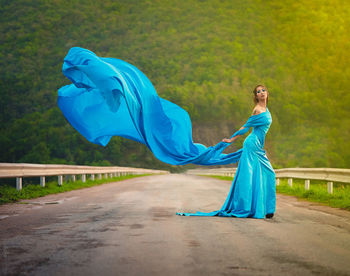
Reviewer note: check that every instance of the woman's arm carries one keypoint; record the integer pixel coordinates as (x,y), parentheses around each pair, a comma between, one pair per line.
(232,138)
(252,121)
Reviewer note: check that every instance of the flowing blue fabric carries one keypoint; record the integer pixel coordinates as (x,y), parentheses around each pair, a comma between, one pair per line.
(110,97)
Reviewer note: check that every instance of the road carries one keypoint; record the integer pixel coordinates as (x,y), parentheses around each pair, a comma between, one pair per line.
(131,228)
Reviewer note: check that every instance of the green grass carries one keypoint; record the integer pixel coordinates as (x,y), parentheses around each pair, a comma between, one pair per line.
(317,193)
(9,193)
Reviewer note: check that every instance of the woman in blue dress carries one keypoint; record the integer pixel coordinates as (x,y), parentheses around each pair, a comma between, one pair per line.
(110,97)
(253,189)
(252,193)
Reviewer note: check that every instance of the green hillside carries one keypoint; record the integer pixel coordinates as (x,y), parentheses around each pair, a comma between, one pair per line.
(206,56)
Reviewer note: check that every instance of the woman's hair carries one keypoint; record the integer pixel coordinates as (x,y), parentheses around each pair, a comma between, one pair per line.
(254,92)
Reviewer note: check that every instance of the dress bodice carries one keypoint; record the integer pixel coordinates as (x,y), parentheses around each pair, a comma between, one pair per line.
(261,130)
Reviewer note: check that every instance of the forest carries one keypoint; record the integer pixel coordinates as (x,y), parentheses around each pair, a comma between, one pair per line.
(205,56)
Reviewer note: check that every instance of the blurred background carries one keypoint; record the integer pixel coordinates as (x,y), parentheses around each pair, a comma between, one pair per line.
(205,56)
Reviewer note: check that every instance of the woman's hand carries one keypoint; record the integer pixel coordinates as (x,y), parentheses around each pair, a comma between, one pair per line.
(229,140)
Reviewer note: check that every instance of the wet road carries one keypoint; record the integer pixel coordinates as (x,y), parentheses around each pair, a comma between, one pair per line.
(130,228)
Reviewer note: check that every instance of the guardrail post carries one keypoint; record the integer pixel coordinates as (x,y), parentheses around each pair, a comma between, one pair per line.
(42,181)
(290,182)
(307,184)
(277,181)
(330,187)
(67,173)
(60,180)
(19,183)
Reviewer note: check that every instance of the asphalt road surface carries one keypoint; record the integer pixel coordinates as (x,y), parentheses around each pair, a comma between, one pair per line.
(131,228)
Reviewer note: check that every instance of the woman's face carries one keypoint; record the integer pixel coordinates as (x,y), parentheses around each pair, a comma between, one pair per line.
(261,93)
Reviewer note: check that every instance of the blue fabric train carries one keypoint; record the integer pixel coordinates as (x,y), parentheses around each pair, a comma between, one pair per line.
(110,97)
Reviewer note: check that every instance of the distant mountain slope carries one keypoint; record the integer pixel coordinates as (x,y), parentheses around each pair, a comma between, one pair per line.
(205,56)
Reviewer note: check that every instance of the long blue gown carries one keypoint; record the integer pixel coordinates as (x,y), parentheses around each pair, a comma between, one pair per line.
(252,193)
(110,97)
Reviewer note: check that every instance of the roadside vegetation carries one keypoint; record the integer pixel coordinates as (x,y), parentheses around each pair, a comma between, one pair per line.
(205,56)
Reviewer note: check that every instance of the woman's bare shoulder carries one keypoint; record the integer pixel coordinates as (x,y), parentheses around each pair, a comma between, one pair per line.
(257,110)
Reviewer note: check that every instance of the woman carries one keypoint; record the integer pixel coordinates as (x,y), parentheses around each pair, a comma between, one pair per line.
(252,192)
(110,97)
(253,189)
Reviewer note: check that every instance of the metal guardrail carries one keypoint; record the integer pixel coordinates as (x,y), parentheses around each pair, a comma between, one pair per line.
(328,174)
(20,170)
